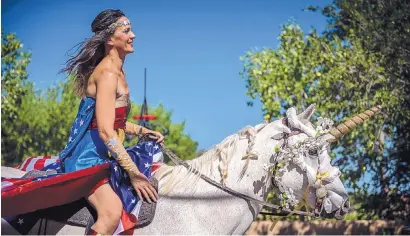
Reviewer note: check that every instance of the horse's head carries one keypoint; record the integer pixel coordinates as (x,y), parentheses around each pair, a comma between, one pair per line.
(300,162)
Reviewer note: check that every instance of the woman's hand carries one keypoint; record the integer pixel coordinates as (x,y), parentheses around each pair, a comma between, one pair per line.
(144,188)
(156,135)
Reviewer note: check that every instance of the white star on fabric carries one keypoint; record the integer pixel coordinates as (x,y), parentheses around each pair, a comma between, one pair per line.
(149,144)
(137,153)
(70,139)
(81,122)
(20,221)
(156,147)
(89,107)
(75,131)
(133,200)
(115,168)
(147,165)
(76,119)
(149,154)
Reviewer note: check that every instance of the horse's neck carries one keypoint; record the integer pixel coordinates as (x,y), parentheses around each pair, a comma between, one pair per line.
(253,182)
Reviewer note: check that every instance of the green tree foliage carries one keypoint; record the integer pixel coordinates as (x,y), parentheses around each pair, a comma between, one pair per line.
(383,27)
(13,87)
(41,122)
(343,79)
(176,140)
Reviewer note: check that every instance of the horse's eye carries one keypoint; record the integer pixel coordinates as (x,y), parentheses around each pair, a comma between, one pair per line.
(313,152)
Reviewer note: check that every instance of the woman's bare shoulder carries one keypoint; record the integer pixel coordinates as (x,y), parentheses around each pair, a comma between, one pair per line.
(105,72)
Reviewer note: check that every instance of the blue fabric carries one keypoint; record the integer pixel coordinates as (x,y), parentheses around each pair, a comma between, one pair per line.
(90,151)
(142,155)
(84,147)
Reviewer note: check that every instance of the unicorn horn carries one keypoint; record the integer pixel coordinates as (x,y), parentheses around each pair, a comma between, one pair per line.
(351,123)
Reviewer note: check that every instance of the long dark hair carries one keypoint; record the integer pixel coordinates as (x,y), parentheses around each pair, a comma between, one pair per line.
(91,51)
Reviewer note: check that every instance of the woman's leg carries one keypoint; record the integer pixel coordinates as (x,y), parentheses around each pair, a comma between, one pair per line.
(109,208)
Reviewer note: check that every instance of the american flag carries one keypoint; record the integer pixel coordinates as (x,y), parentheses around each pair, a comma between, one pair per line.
(21,193)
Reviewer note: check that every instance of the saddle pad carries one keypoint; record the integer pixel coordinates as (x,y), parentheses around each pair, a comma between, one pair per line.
(51,191)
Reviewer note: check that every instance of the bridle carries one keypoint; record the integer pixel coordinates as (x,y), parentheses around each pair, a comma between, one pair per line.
(318,206)
(178,161)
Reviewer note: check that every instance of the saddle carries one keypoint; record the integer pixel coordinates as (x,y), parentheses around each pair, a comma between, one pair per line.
(80,213)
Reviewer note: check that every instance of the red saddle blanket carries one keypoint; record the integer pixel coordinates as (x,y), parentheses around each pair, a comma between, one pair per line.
(23,195)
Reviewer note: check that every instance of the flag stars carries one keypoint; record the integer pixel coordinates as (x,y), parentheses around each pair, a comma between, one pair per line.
(70,139)
(75,131)
(20,221)
(115,168)
(147,165)
(81,122)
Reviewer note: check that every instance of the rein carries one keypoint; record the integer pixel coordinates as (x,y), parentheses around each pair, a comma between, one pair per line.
(174,158)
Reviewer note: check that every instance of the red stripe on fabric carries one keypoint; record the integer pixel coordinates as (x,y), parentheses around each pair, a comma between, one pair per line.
(47,157)
(128,221)
(54,191)
(27,161)
(39,164)
(155,166)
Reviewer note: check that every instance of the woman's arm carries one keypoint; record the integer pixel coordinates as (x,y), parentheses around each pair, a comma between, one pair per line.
(131,128)
(105,113)
(134,129)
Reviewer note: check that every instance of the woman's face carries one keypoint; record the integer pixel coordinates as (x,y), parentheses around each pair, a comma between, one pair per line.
(122,37)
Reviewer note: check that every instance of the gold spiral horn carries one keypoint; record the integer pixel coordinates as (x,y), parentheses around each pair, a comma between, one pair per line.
(351,123)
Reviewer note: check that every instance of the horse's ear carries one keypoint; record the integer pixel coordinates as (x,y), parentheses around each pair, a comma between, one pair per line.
(247,131)
(305,116)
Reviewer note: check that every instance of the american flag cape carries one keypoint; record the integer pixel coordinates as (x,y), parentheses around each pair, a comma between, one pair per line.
(26,195)
(21,197)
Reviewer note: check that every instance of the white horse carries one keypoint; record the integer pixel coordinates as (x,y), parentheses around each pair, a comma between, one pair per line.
(288,154)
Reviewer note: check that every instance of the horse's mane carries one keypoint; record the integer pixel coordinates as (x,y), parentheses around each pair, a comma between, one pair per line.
(173,176)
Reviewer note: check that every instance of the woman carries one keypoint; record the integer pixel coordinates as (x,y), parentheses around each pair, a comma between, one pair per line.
(99,79)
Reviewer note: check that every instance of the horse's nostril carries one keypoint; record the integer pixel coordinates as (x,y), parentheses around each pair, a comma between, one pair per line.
(346,206)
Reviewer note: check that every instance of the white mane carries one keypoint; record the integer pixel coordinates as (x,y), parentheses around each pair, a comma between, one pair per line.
(220,155)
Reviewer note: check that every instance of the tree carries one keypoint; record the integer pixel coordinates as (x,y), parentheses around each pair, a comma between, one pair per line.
(383,27)
(41,123)
(343,79)
(177,141)
(14,62)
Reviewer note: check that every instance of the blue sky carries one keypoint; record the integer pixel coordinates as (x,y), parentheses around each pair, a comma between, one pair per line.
(191,50)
